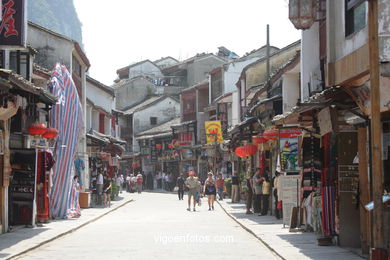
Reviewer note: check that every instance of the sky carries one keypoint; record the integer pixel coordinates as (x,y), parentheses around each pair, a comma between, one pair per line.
(117,33)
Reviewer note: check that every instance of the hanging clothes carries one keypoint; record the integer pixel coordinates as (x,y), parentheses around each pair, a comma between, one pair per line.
(45,162)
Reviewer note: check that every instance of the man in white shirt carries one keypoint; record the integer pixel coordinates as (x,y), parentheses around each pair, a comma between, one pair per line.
(119,182)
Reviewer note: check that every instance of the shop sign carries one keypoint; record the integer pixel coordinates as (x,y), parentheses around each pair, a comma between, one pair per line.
(222,115)
(187,154)
(153,151)
(289,149)
(145,151)
(213,132)
(289,194)
(13,23)
(186,139)
(169,156)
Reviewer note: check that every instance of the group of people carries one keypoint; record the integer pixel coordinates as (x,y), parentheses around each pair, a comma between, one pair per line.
(103,189)
(195,189)
(134,183)
(258,195)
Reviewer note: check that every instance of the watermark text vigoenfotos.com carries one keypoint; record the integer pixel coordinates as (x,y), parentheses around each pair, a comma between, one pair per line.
(192,238)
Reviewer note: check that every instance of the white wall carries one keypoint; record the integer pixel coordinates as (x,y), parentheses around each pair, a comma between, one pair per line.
(310,58)
(233,72)
(290,91)
(235,108)
(146,68)
(164,110)
(338,45)
(100,98)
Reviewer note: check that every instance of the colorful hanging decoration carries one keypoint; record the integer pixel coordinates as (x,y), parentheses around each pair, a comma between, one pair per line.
(170,146)
(159,146)
(67,118)
(37,128)
(50,133)
(134,165)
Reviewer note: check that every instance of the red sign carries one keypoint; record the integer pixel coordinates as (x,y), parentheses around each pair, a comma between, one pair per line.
(290,132)
(13,23)
(186,139)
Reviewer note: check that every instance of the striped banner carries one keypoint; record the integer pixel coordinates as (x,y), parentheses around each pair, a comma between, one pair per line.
(67,118)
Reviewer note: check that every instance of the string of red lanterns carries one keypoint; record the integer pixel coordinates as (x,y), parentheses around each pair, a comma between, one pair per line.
(41,129)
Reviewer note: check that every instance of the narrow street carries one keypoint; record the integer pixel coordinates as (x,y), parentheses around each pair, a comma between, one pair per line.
(157,225)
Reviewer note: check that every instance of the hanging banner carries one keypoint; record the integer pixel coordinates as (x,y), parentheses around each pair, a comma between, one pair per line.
(289,149)
(222,115)
(213,132)
(13,23)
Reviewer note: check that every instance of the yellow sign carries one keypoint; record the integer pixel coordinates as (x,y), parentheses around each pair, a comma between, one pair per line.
(213,132)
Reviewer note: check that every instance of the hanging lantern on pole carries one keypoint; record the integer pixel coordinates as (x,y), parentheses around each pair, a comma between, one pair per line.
(159,146)
(36,128)
(259,139)
(50,133)
(250,149)
(302,13)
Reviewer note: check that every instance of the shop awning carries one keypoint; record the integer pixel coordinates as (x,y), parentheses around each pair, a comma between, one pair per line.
(19,85)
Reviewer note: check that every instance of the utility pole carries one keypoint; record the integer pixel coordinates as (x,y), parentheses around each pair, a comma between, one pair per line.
(376,132)
(268,65)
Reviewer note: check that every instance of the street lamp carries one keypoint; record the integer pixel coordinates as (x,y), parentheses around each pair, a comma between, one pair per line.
(302,13)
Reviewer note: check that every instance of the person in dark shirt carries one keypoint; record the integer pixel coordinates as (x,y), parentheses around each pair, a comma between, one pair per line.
(180,184)
(235,188)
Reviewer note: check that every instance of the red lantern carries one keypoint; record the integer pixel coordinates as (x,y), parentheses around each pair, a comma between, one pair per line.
(134,165)
(240,151)
(158,146)
(250,149)
(271,134)
(37,129)
(170,146)
(259,139)
(50,133)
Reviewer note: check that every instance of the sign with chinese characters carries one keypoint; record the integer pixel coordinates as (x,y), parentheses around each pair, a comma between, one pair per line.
(222,115)
(13,24)
(185,139)
(213,132)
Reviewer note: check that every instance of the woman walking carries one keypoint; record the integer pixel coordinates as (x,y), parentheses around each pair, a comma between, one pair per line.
(210,190)
(107,191)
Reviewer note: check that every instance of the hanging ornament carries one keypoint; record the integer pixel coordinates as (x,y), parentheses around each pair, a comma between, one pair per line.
(36,128)
(50,133)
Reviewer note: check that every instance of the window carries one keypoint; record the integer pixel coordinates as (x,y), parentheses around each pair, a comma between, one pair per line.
(355,16)
(2,59)
(20,63)
(153,120)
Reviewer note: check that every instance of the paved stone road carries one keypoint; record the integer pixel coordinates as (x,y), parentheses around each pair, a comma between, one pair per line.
(157,226)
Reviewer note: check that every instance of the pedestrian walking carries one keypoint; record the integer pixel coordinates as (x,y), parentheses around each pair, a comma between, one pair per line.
(133,183)
(235,188)
(220,186)
(128,179)
(119,182)
(266,190)
(99,187)
(180,184)
(275,192)
(139,183)
(258,191)
(210,189)
(107,191)
(249,198)
(192,185)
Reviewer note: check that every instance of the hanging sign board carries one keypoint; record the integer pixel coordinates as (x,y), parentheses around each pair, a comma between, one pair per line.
(213,132)
(289,195)
(13,24)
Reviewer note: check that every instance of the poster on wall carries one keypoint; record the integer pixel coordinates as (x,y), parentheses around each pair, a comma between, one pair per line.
(289,149)
(222,115)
